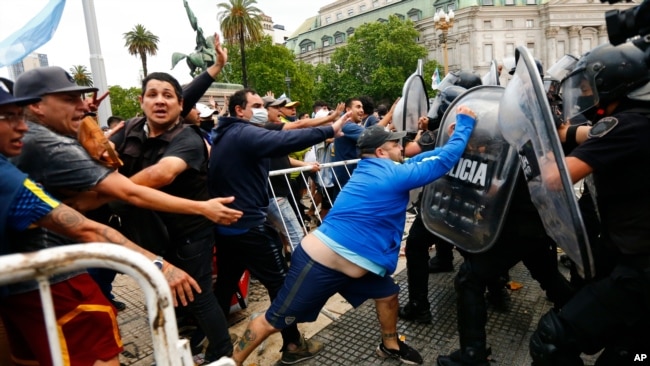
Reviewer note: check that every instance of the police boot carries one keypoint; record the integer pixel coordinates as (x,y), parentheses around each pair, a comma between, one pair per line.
(466,356)
(438,265)
(417,311)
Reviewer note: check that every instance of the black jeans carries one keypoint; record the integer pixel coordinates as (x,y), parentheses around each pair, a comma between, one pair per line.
(260,251)
(194,256)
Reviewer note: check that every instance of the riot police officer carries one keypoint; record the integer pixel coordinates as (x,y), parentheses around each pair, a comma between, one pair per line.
(610,85)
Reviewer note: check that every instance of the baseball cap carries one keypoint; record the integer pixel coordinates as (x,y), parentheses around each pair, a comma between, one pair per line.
(272,102)
(204,110)
(47,80)
(289,103)
(7,98)
(375,136)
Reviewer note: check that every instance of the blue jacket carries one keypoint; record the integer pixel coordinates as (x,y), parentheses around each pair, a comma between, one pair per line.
(369,214)
(240,161)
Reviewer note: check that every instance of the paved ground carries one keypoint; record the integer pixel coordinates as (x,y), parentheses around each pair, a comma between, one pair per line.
(351,335)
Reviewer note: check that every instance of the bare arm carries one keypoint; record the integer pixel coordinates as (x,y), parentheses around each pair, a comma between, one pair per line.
(66,221)
(160,174)
(388,118)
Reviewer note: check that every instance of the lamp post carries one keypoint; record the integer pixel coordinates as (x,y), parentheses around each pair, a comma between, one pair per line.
(444,21)
(287,80)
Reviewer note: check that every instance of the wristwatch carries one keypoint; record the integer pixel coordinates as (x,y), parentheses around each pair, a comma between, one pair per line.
(158,262)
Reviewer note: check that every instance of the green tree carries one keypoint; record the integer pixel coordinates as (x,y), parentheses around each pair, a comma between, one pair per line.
(124,102)
(376,61)
(241,23)
(141,42)
(81,75)
(268,65)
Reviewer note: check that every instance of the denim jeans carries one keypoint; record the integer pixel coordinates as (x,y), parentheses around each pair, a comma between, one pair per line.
(280,211)
(194,256)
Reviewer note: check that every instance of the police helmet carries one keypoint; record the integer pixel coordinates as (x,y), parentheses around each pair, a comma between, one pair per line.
(467,79)
(603,75)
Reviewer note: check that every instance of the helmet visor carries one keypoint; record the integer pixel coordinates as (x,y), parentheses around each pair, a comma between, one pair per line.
(579,93)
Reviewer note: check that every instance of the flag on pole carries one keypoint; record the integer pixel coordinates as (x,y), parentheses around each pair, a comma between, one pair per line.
(34,34)
(435,80)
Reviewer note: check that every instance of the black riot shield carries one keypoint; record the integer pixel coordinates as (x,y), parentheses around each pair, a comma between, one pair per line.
(492,76)
(526,121)
(468,205)
(414,103)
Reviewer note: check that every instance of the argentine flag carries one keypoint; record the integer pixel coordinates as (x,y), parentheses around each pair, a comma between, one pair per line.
(34,34)
(435,80)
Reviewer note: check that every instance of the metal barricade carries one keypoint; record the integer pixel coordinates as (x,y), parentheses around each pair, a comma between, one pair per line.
(321,181)
(168,349)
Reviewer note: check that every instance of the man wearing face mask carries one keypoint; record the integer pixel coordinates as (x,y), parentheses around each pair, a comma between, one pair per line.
(239,163)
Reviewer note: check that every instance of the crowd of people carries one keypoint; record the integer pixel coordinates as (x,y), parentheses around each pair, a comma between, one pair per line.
(193,182)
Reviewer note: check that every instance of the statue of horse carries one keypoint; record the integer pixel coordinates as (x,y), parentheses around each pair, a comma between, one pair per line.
(196,61)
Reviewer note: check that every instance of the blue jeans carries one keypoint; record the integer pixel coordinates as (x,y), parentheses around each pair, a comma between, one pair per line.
(194,256)
(280,211)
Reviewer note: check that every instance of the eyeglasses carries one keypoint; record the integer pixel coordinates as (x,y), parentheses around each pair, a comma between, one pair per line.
(13,119)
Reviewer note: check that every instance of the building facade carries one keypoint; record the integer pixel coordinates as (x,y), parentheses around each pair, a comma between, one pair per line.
(32,61)
(483,30)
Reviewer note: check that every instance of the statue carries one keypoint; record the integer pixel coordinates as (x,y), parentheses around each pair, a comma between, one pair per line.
(204,54)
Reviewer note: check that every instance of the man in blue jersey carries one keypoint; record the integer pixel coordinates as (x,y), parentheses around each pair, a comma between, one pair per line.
(353,256)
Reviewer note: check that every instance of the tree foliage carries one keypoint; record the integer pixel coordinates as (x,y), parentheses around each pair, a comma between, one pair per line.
(124,102)
(141,42)
(241,23)
(376,61)
(81,75)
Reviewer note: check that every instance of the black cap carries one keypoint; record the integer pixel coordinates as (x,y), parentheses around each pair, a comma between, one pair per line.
(47,80)
(375,136)
(7,98)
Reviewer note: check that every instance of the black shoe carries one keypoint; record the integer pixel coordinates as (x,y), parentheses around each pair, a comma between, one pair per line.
(437,265)
(416,312)
(118,305)
(406,353)
(471,357)
(498,299)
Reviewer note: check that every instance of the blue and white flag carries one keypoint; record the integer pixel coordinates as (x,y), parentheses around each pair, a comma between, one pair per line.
(435,80)
(34,34)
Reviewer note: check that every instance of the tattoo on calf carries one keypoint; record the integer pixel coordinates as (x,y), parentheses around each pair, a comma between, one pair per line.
(246,339)
(388,335)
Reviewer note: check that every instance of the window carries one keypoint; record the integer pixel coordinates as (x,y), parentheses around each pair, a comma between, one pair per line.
(451,7)
(339,16)
(531,48)
(488,2)
(350,12)
(350,31)
(488,52)
(530,23)
(362,8)
(531,2)
(509,2)
(414,17)
(375,3)
(487,24)
(509,24)
(328,20)
(400,16)
(326,43)
(339,37)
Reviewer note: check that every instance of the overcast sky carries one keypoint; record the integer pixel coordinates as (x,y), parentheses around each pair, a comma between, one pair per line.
(166,19)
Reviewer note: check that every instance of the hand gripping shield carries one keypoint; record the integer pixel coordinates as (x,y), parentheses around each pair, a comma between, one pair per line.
(526,120)
(468,205)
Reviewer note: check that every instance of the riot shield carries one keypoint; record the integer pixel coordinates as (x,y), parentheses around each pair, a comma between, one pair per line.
(526,121)
(492,76)
(468,205)
(414,103)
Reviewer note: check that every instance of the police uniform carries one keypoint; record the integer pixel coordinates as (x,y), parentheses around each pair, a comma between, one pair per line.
(613,312)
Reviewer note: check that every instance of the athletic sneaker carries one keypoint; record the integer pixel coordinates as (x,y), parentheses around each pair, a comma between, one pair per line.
(306,350)
(406,353)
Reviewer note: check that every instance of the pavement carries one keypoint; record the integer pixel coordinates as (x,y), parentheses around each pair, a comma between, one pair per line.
(351,335)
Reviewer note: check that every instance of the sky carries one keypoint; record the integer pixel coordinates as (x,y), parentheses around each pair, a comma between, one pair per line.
(166,19)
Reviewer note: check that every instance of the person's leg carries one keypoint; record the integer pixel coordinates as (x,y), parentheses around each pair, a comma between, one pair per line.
(256,332)
(387,316)
(230,267)
(284,220)
(443,260)
(194,256)
(417,253)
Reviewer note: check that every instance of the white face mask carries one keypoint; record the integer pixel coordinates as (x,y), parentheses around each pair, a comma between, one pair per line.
(260,116)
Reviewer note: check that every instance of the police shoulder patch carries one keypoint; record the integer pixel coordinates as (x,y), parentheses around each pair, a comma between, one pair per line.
(602,127)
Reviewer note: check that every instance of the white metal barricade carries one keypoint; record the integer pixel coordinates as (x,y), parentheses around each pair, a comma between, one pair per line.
(320,181)
(168,348)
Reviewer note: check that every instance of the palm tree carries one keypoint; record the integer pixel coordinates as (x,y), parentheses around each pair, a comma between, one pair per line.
(241,22)
(81,75)
(141,42)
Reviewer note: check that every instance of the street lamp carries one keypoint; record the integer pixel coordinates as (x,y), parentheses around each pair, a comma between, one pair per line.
(443,22)
(287,80)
